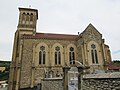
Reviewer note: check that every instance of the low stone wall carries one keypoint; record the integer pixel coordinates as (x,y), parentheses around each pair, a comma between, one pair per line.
(101,84)
(52,84)
(106,81)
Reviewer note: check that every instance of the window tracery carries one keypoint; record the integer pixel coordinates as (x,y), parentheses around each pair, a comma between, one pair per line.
(57,55)
(71,55)
(42,55)
(94,54)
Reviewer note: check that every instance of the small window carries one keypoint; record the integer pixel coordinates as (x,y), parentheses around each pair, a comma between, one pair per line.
(93,46)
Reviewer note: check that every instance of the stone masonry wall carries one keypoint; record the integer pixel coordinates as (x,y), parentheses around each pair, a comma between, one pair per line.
(106,81)
(87,84)
(52,84)
(101,84)
(25,74)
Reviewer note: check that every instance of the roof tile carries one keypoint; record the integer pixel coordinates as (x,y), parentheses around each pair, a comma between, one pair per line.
(51,36)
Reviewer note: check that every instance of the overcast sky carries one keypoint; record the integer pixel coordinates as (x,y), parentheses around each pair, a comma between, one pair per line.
(63,16)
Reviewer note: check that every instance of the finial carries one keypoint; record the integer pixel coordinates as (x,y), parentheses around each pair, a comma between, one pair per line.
(29,6)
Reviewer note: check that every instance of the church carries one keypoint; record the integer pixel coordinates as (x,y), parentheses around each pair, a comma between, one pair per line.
(38,55)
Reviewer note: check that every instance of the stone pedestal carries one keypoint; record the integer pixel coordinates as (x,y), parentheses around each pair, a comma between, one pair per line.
(80,72)
(65,77)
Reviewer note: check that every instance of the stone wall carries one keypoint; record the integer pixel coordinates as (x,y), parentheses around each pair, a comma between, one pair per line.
(52,84)
(106,81)
(103,81)
(26,60)
(101,84)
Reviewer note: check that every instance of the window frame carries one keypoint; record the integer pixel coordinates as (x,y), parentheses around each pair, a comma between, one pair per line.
(57,55)
(94,54)
(71,56)
(42,55)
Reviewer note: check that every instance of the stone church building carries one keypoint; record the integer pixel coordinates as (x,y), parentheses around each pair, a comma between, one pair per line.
(38,55)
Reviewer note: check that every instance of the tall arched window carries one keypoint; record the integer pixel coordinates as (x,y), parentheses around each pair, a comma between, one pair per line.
(23,18)
(71,55)
(57,55)
(42,55)
(31,18)
(94,54)
(27,18)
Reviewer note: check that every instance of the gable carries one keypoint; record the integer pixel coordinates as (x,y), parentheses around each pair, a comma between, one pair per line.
(90,28)
(91,33)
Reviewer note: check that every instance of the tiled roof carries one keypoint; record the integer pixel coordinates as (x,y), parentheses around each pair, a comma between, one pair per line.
(112,67)
(51,36)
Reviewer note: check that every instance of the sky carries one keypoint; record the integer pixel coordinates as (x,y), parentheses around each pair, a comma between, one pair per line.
(65,17)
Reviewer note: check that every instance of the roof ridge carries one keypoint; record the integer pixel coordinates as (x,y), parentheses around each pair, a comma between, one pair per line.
(57,34)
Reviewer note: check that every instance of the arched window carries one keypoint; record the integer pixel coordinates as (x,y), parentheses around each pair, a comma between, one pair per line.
(71,55)
(57,55)
(27,18)
(42,55)
(23,18)
(94,54)
(31,18)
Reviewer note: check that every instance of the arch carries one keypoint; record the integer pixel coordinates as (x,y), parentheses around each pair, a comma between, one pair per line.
(41,55)
(57,54)
(27,17)
(23,18)
(31,18)
(71,53)
(94,53)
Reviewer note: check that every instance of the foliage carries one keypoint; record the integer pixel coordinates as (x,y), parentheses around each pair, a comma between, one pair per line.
(5,63)
(116,62)
(5,74)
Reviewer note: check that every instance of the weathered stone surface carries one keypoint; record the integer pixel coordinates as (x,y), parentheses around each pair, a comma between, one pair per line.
(87,83)
(52,84)
(101,82)
(103,75)
(25,76)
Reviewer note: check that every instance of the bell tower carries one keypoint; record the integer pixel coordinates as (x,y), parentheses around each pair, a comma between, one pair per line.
(26,26)
(27,20)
